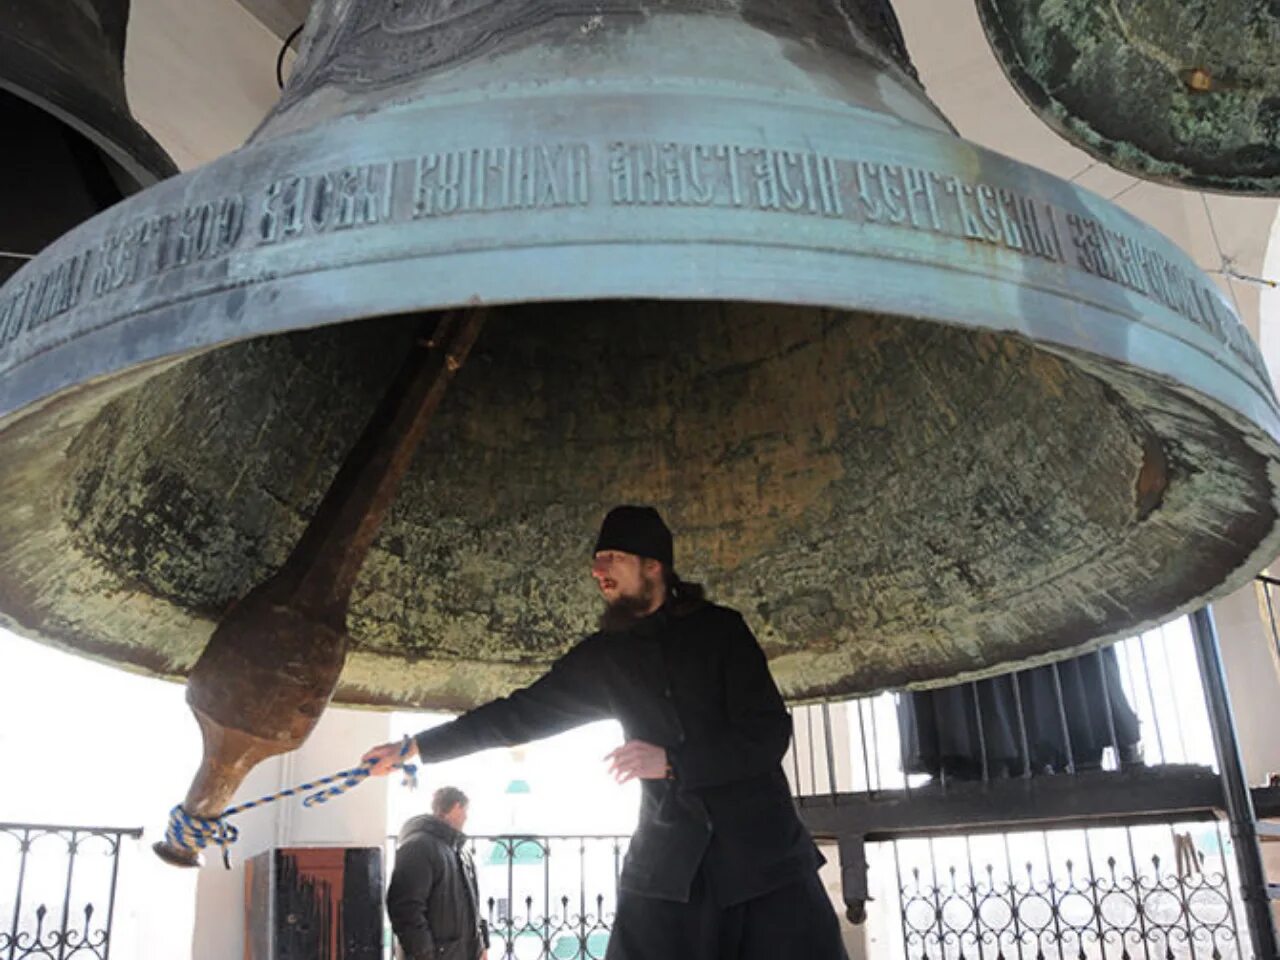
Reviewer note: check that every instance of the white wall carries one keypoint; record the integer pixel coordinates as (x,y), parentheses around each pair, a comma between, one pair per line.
(200,75)
(1253,678)
(806,778)
(1269,303)
(86,744)
(855,940)
(357,818)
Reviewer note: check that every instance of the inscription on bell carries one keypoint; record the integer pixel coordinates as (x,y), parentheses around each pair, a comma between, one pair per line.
(898,194)
(140,249)
(56,292)
(652,174)
(723,175)
(152,246)
(501,178)
(354,196)
(1110,254)
(943,203)
(802,182)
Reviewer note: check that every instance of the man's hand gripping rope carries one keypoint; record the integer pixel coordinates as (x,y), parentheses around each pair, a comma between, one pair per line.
(194,833)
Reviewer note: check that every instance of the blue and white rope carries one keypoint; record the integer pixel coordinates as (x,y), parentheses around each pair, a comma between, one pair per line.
(192,833)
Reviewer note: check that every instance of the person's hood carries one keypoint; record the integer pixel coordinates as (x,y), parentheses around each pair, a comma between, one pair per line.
(430,825)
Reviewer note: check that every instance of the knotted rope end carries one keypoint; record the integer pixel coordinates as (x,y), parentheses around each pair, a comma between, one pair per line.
(187,834)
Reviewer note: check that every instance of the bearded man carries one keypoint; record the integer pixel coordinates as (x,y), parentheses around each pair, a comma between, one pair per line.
(720,867)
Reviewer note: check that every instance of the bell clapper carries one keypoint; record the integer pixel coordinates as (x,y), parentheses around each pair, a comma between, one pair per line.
(267,673)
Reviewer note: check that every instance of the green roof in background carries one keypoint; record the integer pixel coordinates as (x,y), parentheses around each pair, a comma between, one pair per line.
(525,852)
(570,948)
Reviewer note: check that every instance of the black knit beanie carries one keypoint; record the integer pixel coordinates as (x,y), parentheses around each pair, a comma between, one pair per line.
(637,530)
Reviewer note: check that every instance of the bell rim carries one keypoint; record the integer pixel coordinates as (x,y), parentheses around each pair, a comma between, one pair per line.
(1126,157)
(222,292)
(1096,314)
(30,76)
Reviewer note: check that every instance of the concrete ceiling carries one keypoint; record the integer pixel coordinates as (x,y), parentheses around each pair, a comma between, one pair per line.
(281,17)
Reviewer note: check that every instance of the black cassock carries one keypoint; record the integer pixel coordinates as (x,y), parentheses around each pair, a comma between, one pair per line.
(941,732)
(720,866)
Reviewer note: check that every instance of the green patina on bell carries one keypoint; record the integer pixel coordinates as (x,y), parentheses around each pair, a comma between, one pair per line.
(917,409)
(1181,91)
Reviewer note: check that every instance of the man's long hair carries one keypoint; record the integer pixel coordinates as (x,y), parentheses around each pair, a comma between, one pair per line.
(682,596)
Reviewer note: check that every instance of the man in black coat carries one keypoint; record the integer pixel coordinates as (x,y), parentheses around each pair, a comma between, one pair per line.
(720,867)
(433,900)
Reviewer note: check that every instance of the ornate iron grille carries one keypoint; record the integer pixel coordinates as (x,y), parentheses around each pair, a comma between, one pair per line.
(58,890)
(1099,895)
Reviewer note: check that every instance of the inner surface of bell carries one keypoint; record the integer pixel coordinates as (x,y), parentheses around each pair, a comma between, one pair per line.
(1008,422)
(69,175)
(877,492)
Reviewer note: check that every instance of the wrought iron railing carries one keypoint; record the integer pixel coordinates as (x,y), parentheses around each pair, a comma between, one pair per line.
(1155,893)
(58,890)
(1132,879)
(546,897)
(859,776)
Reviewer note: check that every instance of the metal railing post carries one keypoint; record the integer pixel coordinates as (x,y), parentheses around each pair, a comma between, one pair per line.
(1235,788)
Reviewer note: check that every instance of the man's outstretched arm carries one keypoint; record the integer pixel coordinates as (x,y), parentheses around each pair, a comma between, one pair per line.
(573,692)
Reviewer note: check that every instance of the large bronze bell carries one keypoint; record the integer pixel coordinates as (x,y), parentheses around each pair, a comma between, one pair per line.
(72,147)
(915,408)
(1181,91)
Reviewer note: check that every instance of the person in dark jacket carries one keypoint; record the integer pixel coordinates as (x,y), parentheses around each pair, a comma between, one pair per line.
(720,866)
(433,900)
